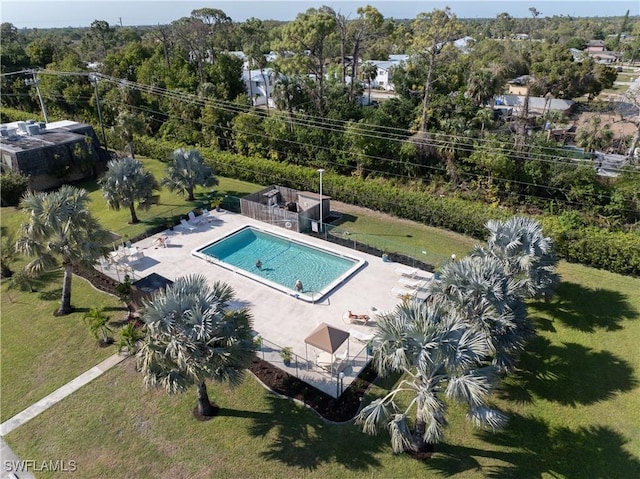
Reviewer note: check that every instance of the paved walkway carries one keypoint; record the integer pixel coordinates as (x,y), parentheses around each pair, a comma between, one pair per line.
(44,404)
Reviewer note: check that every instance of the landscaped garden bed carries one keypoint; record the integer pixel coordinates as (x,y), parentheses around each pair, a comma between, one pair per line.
(341,409)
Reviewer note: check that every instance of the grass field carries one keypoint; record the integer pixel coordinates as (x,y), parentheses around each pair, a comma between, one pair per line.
(573,404)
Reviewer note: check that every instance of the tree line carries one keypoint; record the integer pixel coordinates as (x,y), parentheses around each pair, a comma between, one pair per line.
(179,83)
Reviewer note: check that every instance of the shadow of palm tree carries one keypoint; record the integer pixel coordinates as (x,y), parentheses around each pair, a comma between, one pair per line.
(569,373)
(299,439)
(587,309)
(532,448)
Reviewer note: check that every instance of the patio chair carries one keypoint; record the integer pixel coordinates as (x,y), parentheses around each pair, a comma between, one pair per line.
(358,318)
(183,224)
(193,219)
(362,337)
(407,271)
(419,294)
(135,255)
(412,283)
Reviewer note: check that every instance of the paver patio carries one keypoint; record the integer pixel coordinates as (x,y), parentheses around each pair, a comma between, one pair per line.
(279,318)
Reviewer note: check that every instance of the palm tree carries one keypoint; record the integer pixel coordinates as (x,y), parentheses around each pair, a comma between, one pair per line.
(187,170)
(439,356)
(99,325)
(126,182)
(130,335)
(486,298)
(192,335)
(8,254)
(527,255)
(127,126)
(594,136)
(60,229)
(369,73)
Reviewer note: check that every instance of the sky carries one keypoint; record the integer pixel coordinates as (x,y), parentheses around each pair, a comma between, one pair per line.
(80,13)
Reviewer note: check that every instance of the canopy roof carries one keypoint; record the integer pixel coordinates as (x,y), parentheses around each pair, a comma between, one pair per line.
(327,338)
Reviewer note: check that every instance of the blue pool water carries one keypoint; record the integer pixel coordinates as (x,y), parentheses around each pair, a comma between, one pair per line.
(284,261)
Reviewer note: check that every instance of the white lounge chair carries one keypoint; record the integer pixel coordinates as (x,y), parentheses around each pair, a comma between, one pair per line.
(185,225)
(362,337)
(418,294)
(193,219)
(407,271)
(412,283)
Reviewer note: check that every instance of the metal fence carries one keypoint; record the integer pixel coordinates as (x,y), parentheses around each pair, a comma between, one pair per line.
(341,373)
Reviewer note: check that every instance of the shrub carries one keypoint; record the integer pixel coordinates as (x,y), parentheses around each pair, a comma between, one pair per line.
(575,241)
(12,186)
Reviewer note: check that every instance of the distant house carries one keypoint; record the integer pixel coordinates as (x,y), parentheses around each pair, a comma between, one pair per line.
(259,84)
(518,85)
(597,50)
(537,105)
(595,46)
(51,154)
(384,80)
(578,55)
(464,44)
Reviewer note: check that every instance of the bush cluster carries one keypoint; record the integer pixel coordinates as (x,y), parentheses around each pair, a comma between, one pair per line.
(12,186)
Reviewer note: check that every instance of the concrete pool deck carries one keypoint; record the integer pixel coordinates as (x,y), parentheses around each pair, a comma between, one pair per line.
(281,319)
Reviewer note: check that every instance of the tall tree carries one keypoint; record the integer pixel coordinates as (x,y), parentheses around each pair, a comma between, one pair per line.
(126,182)
(369,73)
(186,170)
(487,299)
(308,36)
(127,126)
(526,253)
(193,335)
(439,358)
(61,231)
(361,32)
(432,32)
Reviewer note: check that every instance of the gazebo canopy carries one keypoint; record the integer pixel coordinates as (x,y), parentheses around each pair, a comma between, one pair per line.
(327,338)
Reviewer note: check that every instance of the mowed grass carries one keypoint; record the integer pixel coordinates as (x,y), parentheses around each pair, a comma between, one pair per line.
(40,352)
(573,404)
(573,408)
(396,235)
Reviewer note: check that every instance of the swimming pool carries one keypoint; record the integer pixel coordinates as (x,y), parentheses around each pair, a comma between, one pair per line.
(283,260)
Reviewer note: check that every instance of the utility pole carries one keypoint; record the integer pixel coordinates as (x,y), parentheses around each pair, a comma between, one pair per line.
(94,79)
(34,81)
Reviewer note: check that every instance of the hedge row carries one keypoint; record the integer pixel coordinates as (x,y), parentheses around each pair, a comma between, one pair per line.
(618,252)
(9,115)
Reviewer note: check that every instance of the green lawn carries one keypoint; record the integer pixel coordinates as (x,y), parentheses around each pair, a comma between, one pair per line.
(40,352)
(573,404)
(573,414)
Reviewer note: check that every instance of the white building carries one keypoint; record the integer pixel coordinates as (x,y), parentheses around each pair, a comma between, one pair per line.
(384,78)
(259,84)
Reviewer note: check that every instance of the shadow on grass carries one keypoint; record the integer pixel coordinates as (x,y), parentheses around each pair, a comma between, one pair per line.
(587,309)
(537,450)
(298,442)
(569,373)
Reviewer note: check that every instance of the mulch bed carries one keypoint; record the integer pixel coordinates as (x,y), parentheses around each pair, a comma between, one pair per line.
(342,409)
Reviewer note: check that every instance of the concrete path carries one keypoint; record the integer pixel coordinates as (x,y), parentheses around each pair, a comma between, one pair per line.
(59,394)
(10,462)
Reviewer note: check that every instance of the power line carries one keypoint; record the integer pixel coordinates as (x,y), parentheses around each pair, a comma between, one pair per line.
(467,145)
(234,108)
(565,200)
